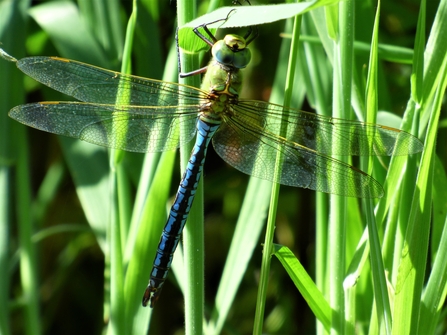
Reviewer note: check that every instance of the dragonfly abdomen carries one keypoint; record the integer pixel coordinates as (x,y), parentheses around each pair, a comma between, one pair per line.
(179,211)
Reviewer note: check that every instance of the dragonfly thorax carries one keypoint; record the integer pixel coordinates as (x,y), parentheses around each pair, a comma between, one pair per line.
(223,87)
(232,52)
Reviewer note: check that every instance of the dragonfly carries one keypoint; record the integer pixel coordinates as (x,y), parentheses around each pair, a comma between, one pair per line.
(247,134)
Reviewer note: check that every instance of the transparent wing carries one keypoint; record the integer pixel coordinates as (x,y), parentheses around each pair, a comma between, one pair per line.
(253,134)
(119,111)
(130,128)
(89,83)
(319,132)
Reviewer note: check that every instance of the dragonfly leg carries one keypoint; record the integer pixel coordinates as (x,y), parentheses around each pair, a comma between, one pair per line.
(254,32)
(211,39)
(193,73)
(237,2)
(179,65)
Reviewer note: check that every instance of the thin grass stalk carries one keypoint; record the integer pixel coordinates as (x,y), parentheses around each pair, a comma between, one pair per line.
(28,262)
(382,304)
(343,60)
(118,228)
(435,293)
(28,253)
(5,177)
(243,245)
(193,234)
(318,76)
(148,220)
(11,93)
(268,244)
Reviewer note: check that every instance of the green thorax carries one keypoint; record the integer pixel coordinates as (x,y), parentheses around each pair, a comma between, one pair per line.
(223,80)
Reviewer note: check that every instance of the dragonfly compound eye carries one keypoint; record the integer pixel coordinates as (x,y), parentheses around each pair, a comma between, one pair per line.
(222,53)
(231,51)
(242,58)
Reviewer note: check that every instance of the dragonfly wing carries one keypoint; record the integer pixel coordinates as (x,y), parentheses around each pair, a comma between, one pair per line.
(246,145)
(89,83)
(319,132)
(138,129)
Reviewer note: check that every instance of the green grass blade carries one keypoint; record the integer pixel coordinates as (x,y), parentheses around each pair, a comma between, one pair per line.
(435,52)
(244,244)
(69,33)
(381,301)
(88,165)
(268,244)
(11,93)
(342,67)
(148,220)
(193,234)
(121,208)
(320,79)
(435,293)
(439,206)
(151,224)
(305,285)
(14,154)
(414,255)
(103,18)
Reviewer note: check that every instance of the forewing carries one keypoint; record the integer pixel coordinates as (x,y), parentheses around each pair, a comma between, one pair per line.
(319,133)
(89,83)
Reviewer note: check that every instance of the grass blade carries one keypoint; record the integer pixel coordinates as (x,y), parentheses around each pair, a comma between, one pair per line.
(305,285)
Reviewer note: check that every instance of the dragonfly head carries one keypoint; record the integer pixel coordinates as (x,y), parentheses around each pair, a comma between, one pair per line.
(232,51)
